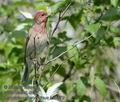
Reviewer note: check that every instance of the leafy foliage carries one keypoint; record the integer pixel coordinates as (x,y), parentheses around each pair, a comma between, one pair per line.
(88,69)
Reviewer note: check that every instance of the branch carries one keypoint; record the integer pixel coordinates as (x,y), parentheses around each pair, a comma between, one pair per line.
(61,14)
(113,89)
(59,19)
(58,69)
(68,75)
(52,75)
(99,18)
(74,45)
(66,9)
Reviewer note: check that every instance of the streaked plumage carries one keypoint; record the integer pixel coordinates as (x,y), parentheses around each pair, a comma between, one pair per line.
(35,42)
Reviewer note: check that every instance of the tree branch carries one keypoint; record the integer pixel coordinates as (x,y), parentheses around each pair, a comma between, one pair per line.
(61,14)
(68,75)
(74,45)
(113,89)
(59,19)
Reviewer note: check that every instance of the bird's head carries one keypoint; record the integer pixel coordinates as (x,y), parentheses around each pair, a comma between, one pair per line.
(40,17)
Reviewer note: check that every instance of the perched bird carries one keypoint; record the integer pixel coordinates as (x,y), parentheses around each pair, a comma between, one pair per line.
(36,41)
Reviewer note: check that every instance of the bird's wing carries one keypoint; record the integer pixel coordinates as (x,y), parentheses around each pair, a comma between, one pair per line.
(25,52)
(27,62)
(26,44)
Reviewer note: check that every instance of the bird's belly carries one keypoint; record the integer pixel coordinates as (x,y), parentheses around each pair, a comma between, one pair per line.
(36,45)
(40,47)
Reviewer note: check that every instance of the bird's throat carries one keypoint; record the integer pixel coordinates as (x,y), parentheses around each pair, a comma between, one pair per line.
(40,27)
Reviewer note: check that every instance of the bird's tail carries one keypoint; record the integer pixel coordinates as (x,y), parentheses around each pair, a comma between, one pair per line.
(25,74)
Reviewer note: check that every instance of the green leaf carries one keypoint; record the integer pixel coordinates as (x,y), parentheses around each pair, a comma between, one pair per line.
(5,82)
(58,50)
(26,14)
(100,34)
(116,41)
(59,6)
(19,36)
(75,18)
(100,85)
(93,28)
(64,88)
(42,6)
(23,3)
(62,36)
(92,76)
(115,29)
(74,55)
(76,100)
(114,2)
(81,88)
(112,14)
(60,71)
(55,41)
(21,26)
(8,48)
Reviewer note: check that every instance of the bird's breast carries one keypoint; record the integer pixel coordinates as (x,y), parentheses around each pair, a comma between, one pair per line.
(37,42)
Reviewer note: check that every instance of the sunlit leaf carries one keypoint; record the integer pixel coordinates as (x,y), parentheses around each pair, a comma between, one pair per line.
(92,76)
(81,89)
(115,30)
(53,89)
(26,14)
(93,28)
(100,85)
(23,3)
(114,2)
(116,41)
(59,6)
(42,6)
(21,26)
(73,55)
(42,92)
(5,82)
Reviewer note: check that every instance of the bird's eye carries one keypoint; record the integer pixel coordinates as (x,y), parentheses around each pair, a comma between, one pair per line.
(42,15)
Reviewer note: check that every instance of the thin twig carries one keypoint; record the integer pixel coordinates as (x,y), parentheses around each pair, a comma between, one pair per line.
(112,89)
(56,26)
(66,9)
(68,75)
(57,70)
(52,75)
(118,88)
(99,18)
(61,14)
(74,45)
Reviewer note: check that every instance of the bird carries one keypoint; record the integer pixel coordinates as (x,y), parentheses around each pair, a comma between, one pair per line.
(36,41)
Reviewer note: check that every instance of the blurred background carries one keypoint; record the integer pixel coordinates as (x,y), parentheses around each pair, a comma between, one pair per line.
(90,70)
